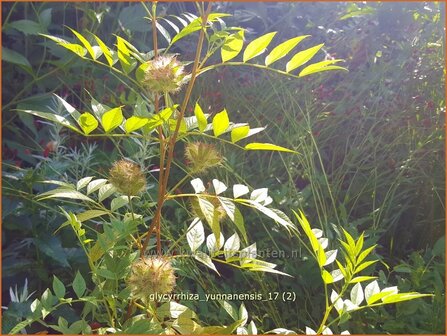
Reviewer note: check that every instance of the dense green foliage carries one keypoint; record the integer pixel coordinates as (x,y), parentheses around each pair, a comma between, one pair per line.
(369,171)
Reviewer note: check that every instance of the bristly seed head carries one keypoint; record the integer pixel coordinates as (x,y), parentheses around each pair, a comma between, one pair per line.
(127,178)
(201,156)
(151,275)
(164,74)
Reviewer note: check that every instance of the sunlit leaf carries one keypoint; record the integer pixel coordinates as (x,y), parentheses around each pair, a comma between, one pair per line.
(134,123)
(201,118)
(112,119)
(302,57)
(267,146)
(220,123)
(283,49)
(231,246)
(88,122)
(232,46)
(195,235)
(257,46)
(84,41)
(239,133)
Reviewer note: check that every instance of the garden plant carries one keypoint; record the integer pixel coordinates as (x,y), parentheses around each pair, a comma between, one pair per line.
(158,225)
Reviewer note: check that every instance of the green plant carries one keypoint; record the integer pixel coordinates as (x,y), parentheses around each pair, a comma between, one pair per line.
(117,245)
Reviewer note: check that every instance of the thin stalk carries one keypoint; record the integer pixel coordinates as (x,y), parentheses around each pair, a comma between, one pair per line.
(171,144)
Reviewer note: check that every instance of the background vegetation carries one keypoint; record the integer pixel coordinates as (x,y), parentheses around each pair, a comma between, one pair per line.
(371,143)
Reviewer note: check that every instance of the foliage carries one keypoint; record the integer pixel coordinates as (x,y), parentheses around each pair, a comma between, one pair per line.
(181,211)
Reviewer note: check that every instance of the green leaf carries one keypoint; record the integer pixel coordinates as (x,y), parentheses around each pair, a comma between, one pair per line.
(105,50)
(134,123)
(239,133)
(393,298)
(327,277)
(64,193)
(195,235)
(106,274)
(27,27)
(194,26)
(366,264)
(319,67)
(230,309)
(365,253)
(95,185)
(362,278)
(302,57)
(105,191)
(257,46)
(58,287)
(58,119)
(357,294)
(112,119)
(267,146)
(73,47)
(243,314)
(283,49)
(235,215)
(83,182)
(127,63)
(118,202)
(14,57)
(232,246)
(88,122)
(201,118)
(205,259)
(220,123)
(232,46)
(84,41)
(79,286)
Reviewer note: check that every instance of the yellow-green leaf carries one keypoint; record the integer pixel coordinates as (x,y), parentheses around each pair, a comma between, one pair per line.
(239,133)
(88,122)
(283,49)
(321,66)
(267,146)
(73,47)
(327,277)
(201,119)
(302,57)
(106,51)
(232,46)
(84,41)
(257,46)
(220,123)
(134,123)
(112,119)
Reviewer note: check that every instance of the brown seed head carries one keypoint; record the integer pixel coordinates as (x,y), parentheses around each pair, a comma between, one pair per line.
(151,275)
(127,177)
(202,156)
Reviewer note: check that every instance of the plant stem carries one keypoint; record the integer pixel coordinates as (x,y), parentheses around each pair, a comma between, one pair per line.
(164,171)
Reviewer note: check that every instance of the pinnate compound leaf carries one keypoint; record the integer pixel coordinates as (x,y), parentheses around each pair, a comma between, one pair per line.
(257,46)
(283,49)
(302,57)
